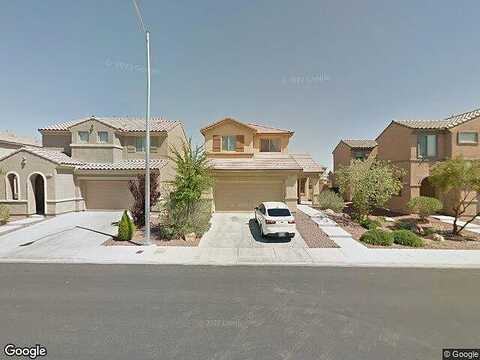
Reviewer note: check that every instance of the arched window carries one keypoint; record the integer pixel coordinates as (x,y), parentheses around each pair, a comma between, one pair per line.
(12,186)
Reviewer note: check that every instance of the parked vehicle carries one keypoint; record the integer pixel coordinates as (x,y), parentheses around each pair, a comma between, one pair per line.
(275,218)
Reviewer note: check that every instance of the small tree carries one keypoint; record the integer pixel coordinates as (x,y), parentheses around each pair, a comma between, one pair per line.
(371,184)
(424,206)
(193,177)
(459,175)
(137,189)
(126,228)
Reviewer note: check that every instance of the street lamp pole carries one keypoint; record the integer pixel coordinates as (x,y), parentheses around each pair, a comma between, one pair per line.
(147,129)
(147,145)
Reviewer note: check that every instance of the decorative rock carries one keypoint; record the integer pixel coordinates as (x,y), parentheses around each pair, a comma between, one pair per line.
(437,237)
(329,212)
(389,219)
(190,237)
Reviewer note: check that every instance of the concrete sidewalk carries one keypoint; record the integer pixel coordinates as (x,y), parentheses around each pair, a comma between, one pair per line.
(85,247)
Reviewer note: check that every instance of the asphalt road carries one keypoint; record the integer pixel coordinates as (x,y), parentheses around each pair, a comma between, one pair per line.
(174,312)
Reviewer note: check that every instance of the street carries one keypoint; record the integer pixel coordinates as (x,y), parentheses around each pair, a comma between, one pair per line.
(189,312)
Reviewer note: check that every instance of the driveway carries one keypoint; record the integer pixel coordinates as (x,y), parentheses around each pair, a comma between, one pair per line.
(239,230)
(61,236)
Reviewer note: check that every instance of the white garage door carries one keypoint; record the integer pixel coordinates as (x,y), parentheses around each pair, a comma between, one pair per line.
(244,196)
(108,195)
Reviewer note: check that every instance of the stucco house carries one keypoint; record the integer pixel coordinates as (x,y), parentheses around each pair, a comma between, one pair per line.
(416,145)
(9,142)
(351,149)
(86,164)
(251,163)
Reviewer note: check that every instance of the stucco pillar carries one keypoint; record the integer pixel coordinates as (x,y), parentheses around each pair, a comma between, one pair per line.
(291,192)
(316,189)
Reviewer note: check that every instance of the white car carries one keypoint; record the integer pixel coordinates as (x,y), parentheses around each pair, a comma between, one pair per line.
(274,218)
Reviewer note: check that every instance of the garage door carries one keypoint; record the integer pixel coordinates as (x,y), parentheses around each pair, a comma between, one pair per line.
(230,196)
(108,195)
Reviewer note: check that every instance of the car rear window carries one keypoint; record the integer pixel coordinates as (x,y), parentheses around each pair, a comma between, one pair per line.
(278,212)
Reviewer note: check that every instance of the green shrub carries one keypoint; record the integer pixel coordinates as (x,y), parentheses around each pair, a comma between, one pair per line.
(369,224)
(377,237)
(196,219)
(126,228)
(427,231)
(424,206)
(327,199)
(407,238)
(4,214)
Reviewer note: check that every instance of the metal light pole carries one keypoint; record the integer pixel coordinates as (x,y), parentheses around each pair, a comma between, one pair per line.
(147,131)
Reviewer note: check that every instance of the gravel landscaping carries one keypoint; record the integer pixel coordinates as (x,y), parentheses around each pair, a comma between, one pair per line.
(468,241)
(139,236)
(314,237)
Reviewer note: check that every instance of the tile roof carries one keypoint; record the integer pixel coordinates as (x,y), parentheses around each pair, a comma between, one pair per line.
(51,155)
(360,143)
(260,129)
(441,124)
(307,163)
(268,162)
(12,138)
(263,129)
(134,164)
(284,162)
(127,124)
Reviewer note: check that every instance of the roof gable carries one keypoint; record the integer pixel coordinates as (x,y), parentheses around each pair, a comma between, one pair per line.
(256,128)
(440,124)
(53,156)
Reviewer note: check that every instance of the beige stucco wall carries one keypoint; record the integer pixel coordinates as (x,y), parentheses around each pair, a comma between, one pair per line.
(227,128)
(157,152)
(468,151)
(25,164)
(57,141)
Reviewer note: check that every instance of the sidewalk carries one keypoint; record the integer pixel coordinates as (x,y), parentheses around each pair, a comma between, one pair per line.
(349,253)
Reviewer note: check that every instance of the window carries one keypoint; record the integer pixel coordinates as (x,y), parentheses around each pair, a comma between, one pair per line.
(279,212)
(270,145)
(13,187)
(103,137)
(83,137)
(359,155)
(229,143)
(468,137)
(140,144)
(427,145)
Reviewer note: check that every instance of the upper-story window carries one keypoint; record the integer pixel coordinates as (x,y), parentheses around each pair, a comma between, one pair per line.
(229,143)
(140,144)
(103,137)
(359,155)
(468,137)
(427,146)
(83,137)
(270,145)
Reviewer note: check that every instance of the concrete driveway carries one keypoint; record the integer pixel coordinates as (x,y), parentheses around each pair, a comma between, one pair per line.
(240,230)
(62,236)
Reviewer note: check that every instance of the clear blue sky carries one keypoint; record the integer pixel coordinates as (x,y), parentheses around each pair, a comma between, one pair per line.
(326,69)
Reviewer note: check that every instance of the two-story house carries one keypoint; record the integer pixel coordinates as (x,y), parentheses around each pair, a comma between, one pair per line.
(86,164)
(251,163)
(351,149)
(416,145)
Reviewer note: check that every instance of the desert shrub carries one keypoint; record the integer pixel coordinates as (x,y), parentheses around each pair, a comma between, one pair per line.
(126,227)
(327,199)
(377,237)
(407,238)
(424,206)
(137,189)
(4,214)
(370,224)
(427,231)
(194,219)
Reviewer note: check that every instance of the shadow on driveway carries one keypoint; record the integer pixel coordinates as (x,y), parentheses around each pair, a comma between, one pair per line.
(255,230)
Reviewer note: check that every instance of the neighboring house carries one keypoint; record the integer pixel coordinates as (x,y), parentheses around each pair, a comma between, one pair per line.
(10,142)
(251,164)
(416,145)
(348,150)
(86,164)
